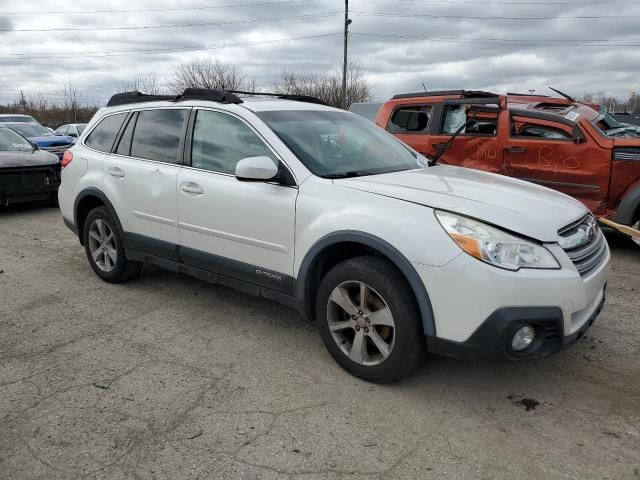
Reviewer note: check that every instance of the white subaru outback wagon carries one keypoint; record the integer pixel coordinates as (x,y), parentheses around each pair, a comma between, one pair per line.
(317,208)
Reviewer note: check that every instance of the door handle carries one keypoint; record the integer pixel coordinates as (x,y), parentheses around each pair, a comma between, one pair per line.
(191,187)
(115,172)
(438,145)
(515,149)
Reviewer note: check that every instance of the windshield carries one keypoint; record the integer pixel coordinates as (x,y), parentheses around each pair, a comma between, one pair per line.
(31,130)
(339,144)
(610,127)
(81,127)
(10,141)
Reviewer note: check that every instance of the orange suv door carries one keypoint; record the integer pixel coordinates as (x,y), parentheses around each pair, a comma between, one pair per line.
(558,155)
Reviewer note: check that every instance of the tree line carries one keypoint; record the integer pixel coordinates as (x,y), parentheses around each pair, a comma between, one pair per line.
(71,106)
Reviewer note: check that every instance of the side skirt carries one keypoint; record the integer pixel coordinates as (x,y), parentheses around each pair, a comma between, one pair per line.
(214,278)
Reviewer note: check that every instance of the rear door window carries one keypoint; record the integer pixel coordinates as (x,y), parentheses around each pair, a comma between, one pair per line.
(409,119)
(104,134)
(157,135)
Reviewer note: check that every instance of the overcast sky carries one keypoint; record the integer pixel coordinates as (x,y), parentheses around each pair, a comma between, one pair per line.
(443,44)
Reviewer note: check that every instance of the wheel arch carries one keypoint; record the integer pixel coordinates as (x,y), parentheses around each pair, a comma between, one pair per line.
(629,207)
(339,246)
(86,201)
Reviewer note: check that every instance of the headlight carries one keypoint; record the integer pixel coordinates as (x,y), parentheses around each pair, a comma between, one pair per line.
(494,246)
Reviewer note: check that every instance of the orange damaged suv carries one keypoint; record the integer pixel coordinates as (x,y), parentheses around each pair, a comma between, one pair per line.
(556,142)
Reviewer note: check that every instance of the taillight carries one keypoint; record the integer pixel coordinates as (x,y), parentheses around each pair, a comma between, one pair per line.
(66,158)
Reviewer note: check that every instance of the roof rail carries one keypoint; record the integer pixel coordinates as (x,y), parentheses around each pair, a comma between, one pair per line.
(439,93)
(284,96)
(220,96)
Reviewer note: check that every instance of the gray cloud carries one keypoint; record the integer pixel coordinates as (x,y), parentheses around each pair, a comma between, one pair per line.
(496,54)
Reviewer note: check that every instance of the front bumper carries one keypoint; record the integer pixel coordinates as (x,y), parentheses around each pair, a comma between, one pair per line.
(477,307)
(21,194)
(492,341)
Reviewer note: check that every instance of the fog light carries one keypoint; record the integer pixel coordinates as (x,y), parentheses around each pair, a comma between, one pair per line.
(523,338)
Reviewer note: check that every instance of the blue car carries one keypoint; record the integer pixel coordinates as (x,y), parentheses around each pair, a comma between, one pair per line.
(42,137)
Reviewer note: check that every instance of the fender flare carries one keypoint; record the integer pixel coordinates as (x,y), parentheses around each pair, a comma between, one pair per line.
(94,192)
(629,205)
(303,280)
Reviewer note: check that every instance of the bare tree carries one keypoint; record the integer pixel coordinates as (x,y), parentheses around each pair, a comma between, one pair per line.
(209,73)
(149,84)
(326,86)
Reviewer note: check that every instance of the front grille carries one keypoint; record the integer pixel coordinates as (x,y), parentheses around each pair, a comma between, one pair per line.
(585,244)
(30,177)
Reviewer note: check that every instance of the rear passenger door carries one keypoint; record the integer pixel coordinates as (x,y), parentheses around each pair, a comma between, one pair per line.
(239,229)
(478,145)
(140,179)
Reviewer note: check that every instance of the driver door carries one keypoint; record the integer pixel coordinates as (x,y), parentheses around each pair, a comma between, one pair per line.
(239,229)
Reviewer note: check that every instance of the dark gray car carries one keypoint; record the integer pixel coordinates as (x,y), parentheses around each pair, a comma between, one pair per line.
(26,172)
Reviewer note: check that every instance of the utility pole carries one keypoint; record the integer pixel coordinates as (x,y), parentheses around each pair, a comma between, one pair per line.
(23,102)
(347,22)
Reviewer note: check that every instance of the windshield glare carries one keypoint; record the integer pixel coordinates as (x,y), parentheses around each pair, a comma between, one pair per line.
(334,144)
(10,141)
(31,130)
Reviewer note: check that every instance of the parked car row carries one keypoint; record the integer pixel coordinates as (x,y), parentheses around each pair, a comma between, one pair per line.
(389,252)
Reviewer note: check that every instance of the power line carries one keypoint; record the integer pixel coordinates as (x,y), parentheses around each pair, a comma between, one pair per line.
(172,50)
(208,7)
(487,2)
(473,17)
(176,25)
(504,41)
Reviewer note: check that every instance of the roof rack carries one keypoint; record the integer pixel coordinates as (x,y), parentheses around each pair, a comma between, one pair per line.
(220,96)
(439,93)
(284,96)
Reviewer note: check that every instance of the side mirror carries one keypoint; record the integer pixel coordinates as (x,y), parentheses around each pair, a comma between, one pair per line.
(256,169)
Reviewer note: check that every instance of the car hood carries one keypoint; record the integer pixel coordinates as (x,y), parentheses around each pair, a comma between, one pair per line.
(521,207)
(38,158)
(52,141)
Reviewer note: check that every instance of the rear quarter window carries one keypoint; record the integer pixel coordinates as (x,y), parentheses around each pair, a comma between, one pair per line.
(104,134)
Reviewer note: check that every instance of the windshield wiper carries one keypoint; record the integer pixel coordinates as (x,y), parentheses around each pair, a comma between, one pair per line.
(436,158)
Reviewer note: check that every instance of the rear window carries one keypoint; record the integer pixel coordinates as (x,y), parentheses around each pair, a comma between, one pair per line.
(102,137)
(157,135)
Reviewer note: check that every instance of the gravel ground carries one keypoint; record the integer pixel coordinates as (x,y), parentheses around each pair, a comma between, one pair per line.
(169,377)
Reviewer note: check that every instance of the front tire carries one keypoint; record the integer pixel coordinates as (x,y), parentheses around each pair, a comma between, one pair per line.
(369,321)
(104,248)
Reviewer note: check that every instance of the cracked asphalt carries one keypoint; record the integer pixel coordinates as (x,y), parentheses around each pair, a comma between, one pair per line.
(170,377)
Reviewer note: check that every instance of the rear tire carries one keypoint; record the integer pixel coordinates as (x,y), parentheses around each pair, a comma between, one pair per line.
(378,339)
(105,249)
